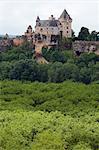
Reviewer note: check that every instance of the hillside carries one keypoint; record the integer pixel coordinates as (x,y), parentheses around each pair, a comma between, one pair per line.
(48,106)
(19,63)
(49,116)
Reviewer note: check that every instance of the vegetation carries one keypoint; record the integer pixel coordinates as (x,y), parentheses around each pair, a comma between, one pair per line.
(18,64)
(51,115)
(41,116)
(85,35)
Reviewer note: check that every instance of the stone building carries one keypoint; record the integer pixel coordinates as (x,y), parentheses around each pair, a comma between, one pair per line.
(47,32)
(29,33)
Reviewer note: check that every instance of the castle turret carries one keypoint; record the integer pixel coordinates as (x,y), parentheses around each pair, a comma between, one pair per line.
(29,29)
(29,33)
(66,21)
(38,21)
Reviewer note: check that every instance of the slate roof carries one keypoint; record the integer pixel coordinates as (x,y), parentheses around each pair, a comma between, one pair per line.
(65,15)
(49,23)
(52,22)
(29,27)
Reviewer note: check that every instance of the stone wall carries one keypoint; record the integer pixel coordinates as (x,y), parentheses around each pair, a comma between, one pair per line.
(86,46)
(66,27)
(18,41)
(5,44)
(47,30)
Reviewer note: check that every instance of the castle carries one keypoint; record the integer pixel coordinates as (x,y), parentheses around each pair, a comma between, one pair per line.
(47,32)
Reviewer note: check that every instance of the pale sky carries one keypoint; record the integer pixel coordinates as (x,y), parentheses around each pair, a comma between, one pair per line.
(16,15)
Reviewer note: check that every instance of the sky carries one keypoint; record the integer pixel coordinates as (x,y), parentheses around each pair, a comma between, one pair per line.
(16,15)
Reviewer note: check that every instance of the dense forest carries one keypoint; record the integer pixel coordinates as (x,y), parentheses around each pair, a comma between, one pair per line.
(18,63)
(49,116)
(49,106)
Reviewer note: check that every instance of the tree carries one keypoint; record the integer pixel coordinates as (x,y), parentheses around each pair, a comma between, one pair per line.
(86,58)
(57,55)
(43,72)
(73,35)
(97,36)
(65,44)
(95,75)
(55,72)
(93,36)
(70,71)
(5,68)
(85,75)
(84,34)
(24,70)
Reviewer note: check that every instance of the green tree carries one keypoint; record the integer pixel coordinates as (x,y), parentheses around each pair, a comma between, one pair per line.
(55,72)
(65,43)
(84,34)
(93,36)
(95,75)
(85,75)
(5,68)
(70,71)
(24,70)
(43,72)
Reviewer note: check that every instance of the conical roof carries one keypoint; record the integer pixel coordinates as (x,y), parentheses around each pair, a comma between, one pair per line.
(38,19)
(29,27)
(65,15)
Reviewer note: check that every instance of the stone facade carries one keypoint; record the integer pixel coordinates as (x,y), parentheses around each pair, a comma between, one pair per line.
(18,41)
(47,32)
(29,33)
(86,46)
(6,42)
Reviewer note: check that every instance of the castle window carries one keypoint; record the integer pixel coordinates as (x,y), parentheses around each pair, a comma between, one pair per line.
(44,37)
(41,29)
(67,27)
(53,38)
(67,31)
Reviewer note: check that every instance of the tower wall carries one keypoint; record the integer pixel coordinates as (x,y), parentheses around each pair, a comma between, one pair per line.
(66,28)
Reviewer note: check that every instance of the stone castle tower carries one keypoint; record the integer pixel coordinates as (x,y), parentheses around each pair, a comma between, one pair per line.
(66,22)
(29,33)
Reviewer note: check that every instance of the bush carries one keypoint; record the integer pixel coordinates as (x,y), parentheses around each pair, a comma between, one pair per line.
(68,120)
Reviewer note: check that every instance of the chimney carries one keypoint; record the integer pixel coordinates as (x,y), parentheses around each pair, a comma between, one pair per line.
(51,18)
